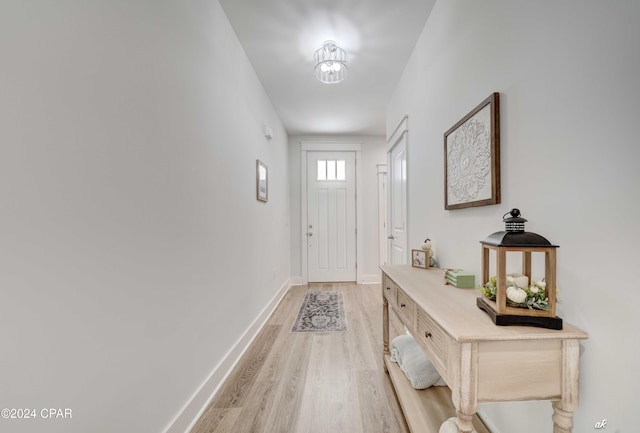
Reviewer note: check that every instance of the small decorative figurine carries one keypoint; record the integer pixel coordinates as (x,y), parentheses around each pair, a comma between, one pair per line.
(426,245)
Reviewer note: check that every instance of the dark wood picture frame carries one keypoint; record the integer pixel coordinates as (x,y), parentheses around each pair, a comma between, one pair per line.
(262,181)
(472,157)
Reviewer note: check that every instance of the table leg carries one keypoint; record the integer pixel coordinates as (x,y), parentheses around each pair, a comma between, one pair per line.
(385,331)
(464,391)
(563,409)
(464,422)
(562,419)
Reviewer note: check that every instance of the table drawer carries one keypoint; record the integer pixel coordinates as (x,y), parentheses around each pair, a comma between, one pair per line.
(406,308)
(434,339)
(390,290)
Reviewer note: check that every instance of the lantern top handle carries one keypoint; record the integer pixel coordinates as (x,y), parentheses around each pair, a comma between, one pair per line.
(515,216)
(515,212)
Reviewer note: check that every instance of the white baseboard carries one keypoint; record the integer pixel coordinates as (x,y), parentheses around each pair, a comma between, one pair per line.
(191,412)
(370,279)
(298,281)
(365,279)
(481,414)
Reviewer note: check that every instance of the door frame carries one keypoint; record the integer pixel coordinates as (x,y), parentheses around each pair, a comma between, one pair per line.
(327,146)
(382,214)
(399,134)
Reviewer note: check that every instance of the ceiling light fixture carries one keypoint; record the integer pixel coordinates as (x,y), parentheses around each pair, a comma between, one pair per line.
(330,63)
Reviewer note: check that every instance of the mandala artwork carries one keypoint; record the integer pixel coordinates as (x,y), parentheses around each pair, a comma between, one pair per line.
(469,160)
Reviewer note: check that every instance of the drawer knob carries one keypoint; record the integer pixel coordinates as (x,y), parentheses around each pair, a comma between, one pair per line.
(388,288)
(427,334)
(402,305)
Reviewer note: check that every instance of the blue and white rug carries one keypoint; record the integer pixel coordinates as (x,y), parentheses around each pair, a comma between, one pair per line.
(321,311)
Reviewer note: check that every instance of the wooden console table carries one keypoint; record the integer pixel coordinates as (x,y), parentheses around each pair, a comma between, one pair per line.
(480,362)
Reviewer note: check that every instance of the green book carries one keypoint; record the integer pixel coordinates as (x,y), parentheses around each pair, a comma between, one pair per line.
(456,274)
(461,279)
(460,285)
(465,279)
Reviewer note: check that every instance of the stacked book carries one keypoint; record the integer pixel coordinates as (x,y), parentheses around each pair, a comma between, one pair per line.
(460,279)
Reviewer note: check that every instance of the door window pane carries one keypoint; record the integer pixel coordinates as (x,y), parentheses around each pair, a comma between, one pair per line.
(340,168)
(331,170)
(322,170)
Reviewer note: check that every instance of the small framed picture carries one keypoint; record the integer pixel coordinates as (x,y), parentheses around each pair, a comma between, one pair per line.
(262,181)
(419,259)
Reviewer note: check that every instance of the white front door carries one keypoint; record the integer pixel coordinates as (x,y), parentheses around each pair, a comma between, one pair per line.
(397,156)
(331,216)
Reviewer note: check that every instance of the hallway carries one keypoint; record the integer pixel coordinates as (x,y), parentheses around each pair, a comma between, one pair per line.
(295,382)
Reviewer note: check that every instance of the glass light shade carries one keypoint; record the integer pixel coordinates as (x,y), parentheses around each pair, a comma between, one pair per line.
(330,63)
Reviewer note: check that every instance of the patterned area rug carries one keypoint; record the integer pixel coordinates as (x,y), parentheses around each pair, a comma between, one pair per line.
(321,311)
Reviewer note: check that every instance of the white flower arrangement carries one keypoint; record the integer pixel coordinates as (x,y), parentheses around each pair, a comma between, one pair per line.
(533,297)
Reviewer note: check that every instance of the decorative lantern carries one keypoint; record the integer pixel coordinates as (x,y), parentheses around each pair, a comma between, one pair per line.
(518,299)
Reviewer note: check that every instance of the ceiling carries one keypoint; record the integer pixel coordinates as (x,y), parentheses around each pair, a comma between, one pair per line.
(280,37)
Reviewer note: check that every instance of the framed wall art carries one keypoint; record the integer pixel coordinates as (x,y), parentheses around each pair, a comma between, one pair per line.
(262,181)
(472,158)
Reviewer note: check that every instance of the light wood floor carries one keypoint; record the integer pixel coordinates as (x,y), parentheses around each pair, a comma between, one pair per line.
(310,382)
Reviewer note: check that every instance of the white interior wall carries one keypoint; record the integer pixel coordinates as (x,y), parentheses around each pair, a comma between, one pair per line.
(133,252)
(567,73)
(373,152)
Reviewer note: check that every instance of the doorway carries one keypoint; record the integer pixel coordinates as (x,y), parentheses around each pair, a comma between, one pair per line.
(331,216)
(397,210)
(331,213)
